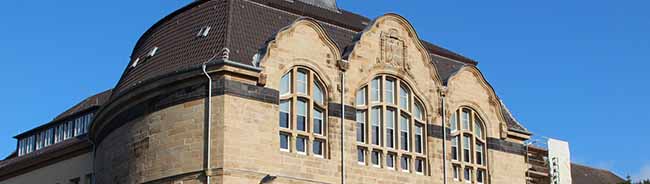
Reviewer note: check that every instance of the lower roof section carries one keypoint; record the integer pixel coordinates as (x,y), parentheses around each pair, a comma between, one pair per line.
(19,165)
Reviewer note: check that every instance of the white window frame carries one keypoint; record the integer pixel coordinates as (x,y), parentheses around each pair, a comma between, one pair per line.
(288,149)
(305,145)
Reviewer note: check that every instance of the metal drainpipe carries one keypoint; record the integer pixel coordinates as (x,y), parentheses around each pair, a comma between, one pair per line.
(444,139)
(209,124)
(342,127)
(93,174)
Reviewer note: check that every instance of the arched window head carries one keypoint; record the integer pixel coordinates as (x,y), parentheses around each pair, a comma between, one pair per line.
(391,126)
(468,146)
(303,125)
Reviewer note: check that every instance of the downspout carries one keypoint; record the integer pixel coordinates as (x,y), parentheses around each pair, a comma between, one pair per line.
(209,125)
(93,174)
(443,93)
(343,64)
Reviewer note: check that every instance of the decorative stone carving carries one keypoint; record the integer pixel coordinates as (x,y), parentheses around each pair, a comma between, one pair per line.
(393,51)
(261,81)
(504,131)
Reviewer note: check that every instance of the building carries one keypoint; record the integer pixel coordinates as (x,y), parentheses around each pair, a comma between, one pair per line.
(282,91)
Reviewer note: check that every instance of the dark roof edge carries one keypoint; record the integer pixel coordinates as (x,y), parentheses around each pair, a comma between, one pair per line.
(149,32)
(43,126)
(604,170)
(508,113)
(44,157)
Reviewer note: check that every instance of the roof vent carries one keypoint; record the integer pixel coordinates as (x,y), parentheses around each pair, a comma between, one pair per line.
(204,31)
(325,4)
(135,63)
(152,52)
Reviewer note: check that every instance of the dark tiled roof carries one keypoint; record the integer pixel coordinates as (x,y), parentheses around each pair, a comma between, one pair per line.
(512,123)
(87,104)
(446,67)
(243,26)
(95,100)
(587,175)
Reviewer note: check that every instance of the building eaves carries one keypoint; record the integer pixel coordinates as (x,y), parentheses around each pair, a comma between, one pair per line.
(89,104)
(581,174)
(41,158)
(511,121)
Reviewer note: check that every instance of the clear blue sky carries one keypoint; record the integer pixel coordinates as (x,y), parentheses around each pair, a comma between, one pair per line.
(573,70)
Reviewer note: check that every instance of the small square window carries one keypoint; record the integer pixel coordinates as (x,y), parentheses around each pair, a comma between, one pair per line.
(301,145)
(456,173)
(480,176)
(419,166)
(468,175)
(318,148)
(405,163)
(376,158)
(390,161)
(361,156)
(285,140)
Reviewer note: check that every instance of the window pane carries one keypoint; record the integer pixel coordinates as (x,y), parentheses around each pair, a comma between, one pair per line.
(284,142)
(361,97)
(318,147)
(302,115)
(479,153)
(376,122)
(319,96)
(480,176)
(465,120)
(69,130)
(478,128)
(302,82)
(405,162)
(390,161)
(404,94)
(361,126)
(375,158)
(285,113)
(454,148)
(454,122)
(319,123)
(374,91)
(468,174)
(389,93)
(456,172)
(390,128)
(404,133)
(466,149)
(419,111)
(301,144)
(361,155)
(418,139)
(419,165)
(285,84)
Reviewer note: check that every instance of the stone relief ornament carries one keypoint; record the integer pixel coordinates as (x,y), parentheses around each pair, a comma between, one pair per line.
(393,50)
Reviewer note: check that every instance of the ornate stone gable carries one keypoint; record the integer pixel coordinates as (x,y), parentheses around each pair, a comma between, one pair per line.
(393,50)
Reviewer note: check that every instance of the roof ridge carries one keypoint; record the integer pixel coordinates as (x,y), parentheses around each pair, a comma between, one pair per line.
(591,167)
(511,115)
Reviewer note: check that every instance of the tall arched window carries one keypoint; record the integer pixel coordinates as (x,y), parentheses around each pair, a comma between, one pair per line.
(303,113)
(391,126)
(468,146)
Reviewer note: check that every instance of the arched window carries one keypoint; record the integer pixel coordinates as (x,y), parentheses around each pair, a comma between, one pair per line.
(391,126)
(303,113)
(468,146)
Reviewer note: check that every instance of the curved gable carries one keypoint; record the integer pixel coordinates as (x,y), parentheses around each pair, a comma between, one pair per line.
(390,45)
(303,43)
(468,87)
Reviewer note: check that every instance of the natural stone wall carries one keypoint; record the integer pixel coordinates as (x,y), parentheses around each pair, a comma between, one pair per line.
(158,145)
